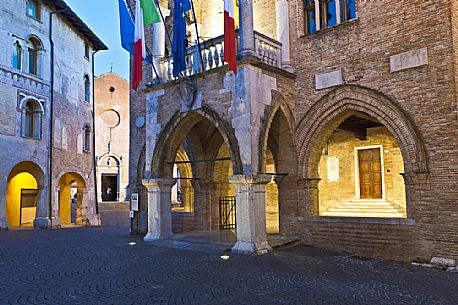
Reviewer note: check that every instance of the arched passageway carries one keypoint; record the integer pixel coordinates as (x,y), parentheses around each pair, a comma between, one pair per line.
(201,150)
(361,171)
(72,192)
(278,155)
(25,199)
(376,152)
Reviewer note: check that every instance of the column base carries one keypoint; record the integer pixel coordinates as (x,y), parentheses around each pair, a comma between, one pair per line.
(94,220)
(150,236)
(3,226)
(246,54)
(286,65)
(250,248)
(41,223)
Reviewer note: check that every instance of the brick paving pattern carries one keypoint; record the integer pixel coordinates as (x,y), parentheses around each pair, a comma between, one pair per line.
(98,266)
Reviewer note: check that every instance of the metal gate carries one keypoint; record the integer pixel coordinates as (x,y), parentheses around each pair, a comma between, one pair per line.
(227,213)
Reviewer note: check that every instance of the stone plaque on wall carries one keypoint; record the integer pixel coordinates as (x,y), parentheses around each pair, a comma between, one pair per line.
(410,59)
(333,169)
(8,111)
(328,79)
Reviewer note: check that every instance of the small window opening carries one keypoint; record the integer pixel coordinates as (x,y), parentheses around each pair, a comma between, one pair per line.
(87,138)
(17,55)
(87,89)
(33,9)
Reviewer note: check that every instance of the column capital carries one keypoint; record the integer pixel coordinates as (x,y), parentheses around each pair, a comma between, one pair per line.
(157,183)
(312,182)
(250,179)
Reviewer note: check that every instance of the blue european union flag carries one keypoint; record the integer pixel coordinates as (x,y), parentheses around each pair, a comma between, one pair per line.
(179,36)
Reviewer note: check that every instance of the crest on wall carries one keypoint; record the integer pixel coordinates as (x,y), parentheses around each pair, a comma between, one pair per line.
(188,93)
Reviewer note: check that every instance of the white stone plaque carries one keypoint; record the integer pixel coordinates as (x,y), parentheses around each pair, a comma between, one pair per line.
(328,79)
(410,59)
(134,202)
(333,169)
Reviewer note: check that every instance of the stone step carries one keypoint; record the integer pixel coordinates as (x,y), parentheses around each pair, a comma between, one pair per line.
(363,210)
(383,214)
(365,207)
(368,202)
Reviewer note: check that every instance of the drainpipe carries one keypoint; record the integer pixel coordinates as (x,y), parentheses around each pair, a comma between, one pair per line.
(93,133)
(51,113)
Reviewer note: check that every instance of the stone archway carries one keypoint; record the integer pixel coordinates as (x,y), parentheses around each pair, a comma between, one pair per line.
(176,130)
(200,133)
(72,196)
(277,152)
(332,110)
(25,202)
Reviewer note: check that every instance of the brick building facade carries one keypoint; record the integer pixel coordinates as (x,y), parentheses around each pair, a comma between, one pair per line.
(46,76)
(348,107)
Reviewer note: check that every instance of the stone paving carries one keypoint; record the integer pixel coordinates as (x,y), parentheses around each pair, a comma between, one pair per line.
(98,266)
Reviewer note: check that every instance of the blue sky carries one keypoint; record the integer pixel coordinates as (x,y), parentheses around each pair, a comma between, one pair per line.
(102,17)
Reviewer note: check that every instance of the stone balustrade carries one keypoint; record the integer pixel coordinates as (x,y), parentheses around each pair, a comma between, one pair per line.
(268,50)
(22,80)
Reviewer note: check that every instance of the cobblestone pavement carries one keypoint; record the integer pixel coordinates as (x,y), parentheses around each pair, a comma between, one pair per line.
(98,266)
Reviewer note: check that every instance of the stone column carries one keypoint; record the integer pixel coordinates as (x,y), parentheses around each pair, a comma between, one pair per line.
(42,212)
(251,214)
(158,48)
(159,208)
(81,206)
(246,28)
(3,185)
(282,15)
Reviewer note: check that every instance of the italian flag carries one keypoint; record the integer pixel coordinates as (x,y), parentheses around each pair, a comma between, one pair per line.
(230,51)
(145,14)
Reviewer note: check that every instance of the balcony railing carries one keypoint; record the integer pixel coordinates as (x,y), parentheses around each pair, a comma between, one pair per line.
(24,80)
(268,50)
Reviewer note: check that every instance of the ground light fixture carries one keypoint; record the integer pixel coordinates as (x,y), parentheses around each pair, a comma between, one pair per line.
(225,257)
(132,243)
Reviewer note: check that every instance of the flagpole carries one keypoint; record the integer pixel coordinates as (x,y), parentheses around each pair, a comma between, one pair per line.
(198,38)
(148,51)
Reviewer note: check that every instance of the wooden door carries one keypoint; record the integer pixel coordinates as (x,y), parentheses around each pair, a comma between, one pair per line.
(370,173)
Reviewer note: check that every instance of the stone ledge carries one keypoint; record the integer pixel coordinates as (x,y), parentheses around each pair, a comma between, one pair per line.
(183,214)
(384,221)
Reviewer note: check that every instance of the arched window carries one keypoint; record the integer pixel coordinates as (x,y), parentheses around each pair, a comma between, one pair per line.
(31,119)
(87,138)
(87,89)
(17,55)
(33,9)
(32,51)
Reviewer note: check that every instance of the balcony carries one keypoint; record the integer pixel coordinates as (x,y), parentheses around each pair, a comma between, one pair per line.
(267,50)
(26,81)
